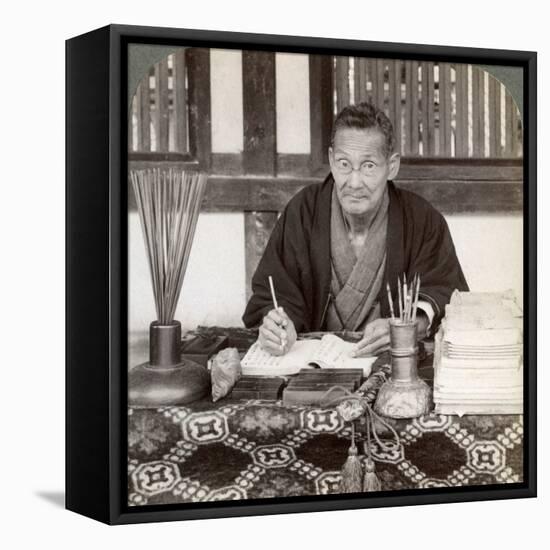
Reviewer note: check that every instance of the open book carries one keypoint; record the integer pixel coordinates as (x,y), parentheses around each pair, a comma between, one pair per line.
(328,352)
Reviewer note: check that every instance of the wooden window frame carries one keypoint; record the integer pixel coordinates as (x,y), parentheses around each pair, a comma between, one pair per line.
(199,156)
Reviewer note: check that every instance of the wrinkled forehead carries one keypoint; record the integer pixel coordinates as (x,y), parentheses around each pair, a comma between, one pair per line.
(354,140)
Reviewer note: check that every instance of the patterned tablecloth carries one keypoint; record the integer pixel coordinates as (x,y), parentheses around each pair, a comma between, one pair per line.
(255,449)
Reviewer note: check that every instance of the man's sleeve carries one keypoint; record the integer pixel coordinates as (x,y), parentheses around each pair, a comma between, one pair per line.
(434,259)
(281,261)
(427,308)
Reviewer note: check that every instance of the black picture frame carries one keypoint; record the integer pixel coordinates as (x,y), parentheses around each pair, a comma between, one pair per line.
(96,269)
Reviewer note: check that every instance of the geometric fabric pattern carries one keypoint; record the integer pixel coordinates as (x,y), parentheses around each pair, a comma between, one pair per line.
(261,449)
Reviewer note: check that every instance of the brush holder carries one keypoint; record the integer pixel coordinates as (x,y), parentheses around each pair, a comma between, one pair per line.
(404,395)
(167,379)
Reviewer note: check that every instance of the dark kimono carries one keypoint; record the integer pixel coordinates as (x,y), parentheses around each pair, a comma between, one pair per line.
(297,256)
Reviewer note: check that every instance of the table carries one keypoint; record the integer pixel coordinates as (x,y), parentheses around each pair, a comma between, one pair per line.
(256,449)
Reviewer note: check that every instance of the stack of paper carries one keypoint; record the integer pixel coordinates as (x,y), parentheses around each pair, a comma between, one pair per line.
(479,355)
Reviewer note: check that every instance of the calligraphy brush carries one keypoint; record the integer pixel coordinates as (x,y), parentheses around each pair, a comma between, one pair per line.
(405,298)
(390,301)
(400,299)
(417,290)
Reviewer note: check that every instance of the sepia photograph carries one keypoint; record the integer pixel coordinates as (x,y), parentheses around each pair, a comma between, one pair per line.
(284,268)
(325,274)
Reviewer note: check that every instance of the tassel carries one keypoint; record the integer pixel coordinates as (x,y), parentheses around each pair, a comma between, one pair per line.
(371,482)
(352,470)
(352,473)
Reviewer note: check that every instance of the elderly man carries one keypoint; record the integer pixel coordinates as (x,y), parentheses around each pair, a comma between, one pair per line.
(337,244)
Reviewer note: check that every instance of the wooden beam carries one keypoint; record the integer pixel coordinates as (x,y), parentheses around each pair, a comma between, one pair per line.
(259,112)
(258,228)
(411,168)
(169,157)
(498,118)
(342,82)
(320,105)
(144,115)
(180,101)
(449,197)
(430,87)
(424,107)
(260,149)
(198,74)
(161,105)
(515,131)
(360,79)
(228,164)
(371,77)
(444,110)
(131,112)
(288,164)
(412,114)
(461,110)
(453,197)
(454,187)
(478,112)
(448,110)
(293,164)
(482,75)
(394,69)
(380,94)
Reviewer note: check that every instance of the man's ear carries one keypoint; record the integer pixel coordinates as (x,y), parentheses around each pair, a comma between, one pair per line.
(330,156)
(395,163)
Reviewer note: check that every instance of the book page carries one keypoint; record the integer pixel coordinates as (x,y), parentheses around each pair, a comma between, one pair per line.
(257,361)
(334,352)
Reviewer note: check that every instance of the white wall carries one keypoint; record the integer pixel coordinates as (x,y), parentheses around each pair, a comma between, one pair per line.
(226,95)
(490,249)
(292,98)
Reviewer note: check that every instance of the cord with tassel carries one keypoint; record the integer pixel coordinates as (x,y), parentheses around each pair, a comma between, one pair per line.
(350,407)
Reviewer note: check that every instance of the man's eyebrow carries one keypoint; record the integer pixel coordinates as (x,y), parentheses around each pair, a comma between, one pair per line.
(364,156)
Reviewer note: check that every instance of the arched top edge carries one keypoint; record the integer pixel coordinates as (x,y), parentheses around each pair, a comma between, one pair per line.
(141,57)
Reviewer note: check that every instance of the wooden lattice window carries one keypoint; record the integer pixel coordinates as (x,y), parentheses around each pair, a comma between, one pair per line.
(438,109)
(170,111)
(160,109)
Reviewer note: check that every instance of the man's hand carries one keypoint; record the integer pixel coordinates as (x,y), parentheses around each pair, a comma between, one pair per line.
(277,333)
(376,338)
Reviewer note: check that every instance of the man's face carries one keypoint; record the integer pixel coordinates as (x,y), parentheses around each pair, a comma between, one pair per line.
(360,169)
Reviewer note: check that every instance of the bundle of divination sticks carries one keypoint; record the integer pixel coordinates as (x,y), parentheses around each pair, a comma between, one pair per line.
(168,204)
(408,298)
